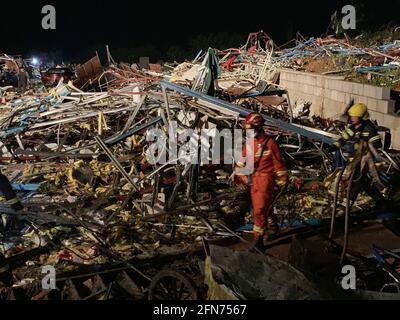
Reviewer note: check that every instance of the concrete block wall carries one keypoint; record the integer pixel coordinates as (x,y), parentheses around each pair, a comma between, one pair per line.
(329,96)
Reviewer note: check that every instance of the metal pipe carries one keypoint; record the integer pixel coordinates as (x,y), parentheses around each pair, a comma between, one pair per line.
(103,146)
(235,109)
(114,140)
(239,237)
(166,103)
(77,118)
(133,114)
(346,219)
(333,217)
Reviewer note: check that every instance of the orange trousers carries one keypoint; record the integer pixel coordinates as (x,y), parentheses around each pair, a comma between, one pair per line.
(262,196)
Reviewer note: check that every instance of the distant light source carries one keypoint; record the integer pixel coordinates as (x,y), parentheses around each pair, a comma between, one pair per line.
(35,61)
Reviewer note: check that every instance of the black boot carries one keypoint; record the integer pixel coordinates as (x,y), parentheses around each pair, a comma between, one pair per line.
(259,243)
(273,230)
(273,233)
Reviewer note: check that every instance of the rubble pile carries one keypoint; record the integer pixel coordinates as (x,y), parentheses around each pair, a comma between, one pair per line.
(356,60)
(78,155)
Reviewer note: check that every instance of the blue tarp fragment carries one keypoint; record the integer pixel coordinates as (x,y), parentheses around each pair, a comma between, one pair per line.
(25,186)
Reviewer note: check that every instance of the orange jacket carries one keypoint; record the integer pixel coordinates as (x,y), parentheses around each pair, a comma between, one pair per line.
(267,158)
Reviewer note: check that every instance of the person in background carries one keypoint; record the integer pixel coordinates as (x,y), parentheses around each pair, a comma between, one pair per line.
(23,80)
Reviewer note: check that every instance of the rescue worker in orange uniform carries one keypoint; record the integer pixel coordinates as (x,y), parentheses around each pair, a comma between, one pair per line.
(268,173)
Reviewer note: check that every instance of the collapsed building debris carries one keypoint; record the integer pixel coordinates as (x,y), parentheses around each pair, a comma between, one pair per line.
(112,221)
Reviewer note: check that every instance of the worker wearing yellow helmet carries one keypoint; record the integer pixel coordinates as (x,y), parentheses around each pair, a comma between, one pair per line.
(360,128)
(362,131)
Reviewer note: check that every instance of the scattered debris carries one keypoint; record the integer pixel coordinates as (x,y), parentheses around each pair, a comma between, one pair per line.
(77,155)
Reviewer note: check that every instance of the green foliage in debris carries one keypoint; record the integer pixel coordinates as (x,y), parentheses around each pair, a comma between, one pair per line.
(389,78)
(371,38)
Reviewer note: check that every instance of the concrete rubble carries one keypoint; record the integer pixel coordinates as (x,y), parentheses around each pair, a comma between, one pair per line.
(77,156)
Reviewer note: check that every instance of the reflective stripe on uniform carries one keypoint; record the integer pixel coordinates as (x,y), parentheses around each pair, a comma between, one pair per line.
(350,132)
(264,154)
(337,144)
(13,201)
(378,137)
(280,183)
(252,117)
(365,134)
(347,134)
(281,173)
(241,164)
(258,229)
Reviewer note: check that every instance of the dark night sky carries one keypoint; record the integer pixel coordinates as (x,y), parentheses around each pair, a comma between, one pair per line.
(84,24)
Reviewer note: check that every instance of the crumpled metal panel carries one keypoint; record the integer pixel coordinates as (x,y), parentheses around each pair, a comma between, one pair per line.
(261,277)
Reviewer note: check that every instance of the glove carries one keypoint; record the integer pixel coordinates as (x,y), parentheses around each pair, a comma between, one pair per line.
(282,182)
(238,180)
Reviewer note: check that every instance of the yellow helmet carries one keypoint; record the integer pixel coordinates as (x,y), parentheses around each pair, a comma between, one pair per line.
(359,110)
